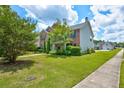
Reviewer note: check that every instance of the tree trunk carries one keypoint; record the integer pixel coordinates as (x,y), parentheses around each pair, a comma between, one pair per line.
(12,59)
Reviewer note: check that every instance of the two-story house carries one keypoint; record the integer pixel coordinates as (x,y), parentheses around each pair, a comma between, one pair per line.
(82,35)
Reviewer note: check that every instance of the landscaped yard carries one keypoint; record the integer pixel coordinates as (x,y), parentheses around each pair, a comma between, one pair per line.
(122,75)
(51,70)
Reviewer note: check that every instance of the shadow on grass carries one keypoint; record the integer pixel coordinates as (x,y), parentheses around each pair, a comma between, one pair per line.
(18,65)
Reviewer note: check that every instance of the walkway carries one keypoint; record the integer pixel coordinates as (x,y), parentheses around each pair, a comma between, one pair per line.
(30,55)
(107,76)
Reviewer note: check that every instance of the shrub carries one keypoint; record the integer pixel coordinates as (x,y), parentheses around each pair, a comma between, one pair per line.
(90,50)
(39,49)
(60,51)
(73,50)
(68,50)
(48,46)
(32,48)
(84,53)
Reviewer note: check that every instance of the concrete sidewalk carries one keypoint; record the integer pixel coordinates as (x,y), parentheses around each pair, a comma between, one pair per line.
(107,76)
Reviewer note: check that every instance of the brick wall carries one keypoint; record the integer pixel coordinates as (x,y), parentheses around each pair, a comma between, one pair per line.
(76,39)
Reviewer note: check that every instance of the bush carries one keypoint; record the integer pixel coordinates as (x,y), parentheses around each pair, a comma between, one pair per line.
(39,49)
(60,52)
(48,46)
(68,50)
(84,53)
(73,50)
(90,50)
(32,48)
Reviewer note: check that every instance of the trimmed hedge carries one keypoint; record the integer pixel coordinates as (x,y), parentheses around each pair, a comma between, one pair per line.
(73,50)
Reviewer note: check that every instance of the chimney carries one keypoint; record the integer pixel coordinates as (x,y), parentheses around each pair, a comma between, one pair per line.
(86,19)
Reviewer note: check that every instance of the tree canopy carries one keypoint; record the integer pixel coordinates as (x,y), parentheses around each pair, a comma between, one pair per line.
(16,34)
(60,34)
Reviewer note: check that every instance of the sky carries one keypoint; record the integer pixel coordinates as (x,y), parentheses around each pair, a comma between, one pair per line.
(107,21)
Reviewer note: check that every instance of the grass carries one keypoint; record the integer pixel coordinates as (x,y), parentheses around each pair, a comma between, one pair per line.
(51,70)
(122,75)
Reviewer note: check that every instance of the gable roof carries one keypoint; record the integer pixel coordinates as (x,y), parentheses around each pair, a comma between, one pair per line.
(104,43)
(82,25)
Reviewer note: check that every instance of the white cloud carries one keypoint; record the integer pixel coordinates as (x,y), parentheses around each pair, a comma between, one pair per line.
(83,20)
(95,26)
(41,26)
(48,14)
(112,23)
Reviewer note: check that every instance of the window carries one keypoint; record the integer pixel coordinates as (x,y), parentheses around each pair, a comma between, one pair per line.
(73,35)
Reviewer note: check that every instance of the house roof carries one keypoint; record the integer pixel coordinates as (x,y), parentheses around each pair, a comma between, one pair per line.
(77,26)
(102,43)
(82,25)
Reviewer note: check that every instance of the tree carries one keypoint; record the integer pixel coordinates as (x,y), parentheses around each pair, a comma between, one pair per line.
(48,45)
(44,47)
(16,34)
(60,35)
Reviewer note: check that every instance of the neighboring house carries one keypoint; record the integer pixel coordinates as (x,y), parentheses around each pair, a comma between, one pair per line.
(104,46)
(41,38)
(82,35)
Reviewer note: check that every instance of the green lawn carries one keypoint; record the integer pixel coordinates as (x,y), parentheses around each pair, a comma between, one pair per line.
(122,75)
(52,71)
